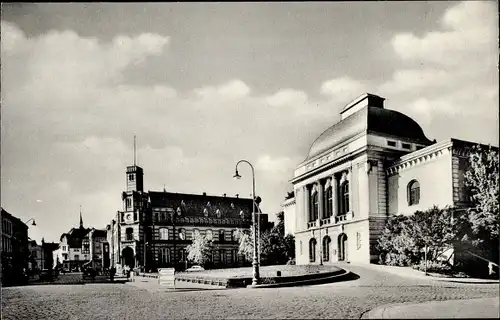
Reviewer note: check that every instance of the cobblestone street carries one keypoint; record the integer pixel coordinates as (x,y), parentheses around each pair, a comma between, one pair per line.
(142,301)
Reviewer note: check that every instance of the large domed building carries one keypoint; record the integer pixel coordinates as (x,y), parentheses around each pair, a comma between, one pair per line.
(374,163)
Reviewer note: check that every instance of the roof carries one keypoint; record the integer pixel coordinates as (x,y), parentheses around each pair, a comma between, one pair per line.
(369,119)
(195,204)
(18,222)
(99,233)
(75,236)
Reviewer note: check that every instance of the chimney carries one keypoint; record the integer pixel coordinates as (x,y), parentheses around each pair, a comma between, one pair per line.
(237,195)
(224,195)
(204,193)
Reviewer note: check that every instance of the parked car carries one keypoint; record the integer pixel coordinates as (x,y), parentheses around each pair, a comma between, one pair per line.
(195,268)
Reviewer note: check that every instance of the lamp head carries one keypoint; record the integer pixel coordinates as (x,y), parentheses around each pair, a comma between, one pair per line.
(236,175)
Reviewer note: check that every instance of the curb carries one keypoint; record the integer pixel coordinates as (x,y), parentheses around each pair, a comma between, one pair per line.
(330,279)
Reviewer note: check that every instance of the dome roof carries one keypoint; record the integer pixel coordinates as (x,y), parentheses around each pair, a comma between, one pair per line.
(369,119)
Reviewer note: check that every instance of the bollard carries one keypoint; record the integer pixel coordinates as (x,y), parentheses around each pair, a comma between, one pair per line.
(278,273)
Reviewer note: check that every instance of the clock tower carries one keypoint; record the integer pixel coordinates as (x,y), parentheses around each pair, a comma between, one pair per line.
(132,218)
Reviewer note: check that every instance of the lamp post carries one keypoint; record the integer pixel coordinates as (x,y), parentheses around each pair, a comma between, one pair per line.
(33,223)
(255,263)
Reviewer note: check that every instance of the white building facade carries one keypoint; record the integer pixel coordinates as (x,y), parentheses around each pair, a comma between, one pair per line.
(372,164)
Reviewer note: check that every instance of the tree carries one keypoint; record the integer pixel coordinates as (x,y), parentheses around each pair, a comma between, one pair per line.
(404,237)
(483,181)
(245,239)
(434,228)
(479,225)
(200,251)
(276,247)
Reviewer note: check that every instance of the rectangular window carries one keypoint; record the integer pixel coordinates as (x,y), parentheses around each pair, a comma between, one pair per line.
(163,234)
(222,253)
(391,143)
(406,146)
(77,257)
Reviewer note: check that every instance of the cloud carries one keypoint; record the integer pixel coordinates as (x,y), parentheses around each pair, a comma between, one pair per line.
(412,80)
(468,28)
(232,90)
(287,97)
(343,89)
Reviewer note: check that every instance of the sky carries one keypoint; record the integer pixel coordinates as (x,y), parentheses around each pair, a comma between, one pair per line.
(203,85)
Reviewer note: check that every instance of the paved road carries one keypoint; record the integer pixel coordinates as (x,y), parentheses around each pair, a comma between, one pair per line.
(338,300)
(452,309)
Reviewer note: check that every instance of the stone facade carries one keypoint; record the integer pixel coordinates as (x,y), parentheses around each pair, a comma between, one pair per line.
(14,250)
(372,164)
(155,228)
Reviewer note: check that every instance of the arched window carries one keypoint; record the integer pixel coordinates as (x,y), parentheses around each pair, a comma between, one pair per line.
(182,234)
(328,202)
(326,248)
(314,206)
(312,250)
(413,192)
(344,198)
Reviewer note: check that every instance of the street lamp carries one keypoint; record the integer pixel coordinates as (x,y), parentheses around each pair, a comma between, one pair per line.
(255,263)
(33,223)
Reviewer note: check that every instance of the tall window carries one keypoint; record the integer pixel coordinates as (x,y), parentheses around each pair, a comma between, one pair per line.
(163,234)
(326,248)
(300,247)
(77,257)
(128,202)
(221,235)
(131,177)
(129,232)
(164,255)
(328,202)
(209,234)
(233,235)
(314,207)
(344,198)
(196,233)
(85,246)
(222,254)
(312,250)
(413,192)
(182,234)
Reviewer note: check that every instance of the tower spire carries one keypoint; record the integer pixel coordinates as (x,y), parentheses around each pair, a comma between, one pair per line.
(135,155)
(81,219)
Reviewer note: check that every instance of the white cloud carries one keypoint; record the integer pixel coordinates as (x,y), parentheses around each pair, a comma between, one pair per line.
(343,89)
(287,98)
(469,28)
(411,80)
(231,90)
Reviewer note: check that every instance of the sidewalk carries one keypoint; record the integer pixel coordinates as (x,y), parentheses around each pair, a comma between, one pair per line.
(474,308)
(416,274)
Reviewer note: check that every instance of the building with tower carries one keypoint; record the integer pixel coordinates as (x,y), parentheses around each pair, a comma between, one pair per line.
(81,247)
(372,164)
(154,228)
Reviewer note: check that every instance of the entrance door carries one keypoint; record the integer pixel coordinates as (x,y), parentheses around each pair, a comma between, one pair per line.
(342,244)
(128,257)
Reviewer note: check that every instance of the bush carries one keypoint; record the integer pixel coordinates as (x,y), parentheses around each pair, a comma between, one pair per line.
(435,267)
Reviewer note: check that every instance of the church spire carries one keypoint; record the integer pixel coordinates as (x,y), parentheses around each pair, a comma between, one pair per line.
(81,219)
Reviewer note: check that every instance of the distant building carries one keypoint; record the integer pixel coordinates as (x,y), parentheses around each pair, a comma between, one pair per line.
(14,252)
(74,249)
(372,164)
(36,256)
(155,228)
